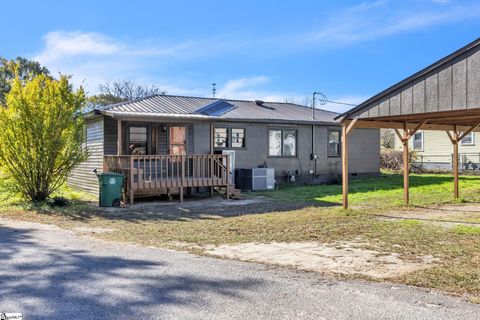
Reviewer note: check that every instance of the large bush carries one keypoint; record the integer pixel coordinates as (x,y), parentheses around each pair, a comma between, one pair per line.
(392,160)
(41,134)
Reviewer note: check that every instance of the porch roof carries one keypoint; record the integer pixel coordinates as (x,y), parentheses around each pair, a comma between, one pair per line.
(169,106)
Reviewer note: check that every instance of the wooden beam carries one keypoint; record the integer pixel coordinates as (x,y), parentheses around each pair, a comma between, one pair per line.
(468,131)
(351,125)
(450,136)
(414,130)
(406,168)
(345,164)
(370,124)
(450,114)
(399,135)
(119,138)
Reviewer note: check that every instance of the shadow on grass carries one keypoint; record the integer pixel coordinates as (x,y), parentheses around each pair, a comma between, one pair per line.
(55,282)
(206,209)
(286,198)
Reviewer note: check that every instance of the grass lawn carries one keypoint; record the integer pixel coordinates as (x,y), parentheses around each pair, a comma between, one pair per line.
(385,191)
(456,247)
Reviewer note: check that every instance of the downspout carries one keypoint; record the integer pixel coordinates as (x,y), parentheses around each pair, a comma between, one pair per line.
(313,156)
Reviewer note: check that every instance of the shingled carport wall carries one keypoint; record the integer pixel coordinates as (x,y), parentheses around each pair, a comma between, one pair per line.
(444,96)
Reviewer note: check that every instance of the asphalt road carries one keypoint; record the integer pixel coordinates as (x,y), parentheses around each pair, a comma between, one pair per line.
(48,273)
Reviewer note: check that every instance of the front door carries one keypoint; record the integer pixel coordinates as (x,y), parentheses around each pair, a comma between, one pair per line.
(177,140)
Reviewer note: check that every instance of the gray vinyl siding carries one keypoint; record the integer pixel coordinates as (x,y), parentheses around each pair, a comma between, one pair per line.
(364,150)
(162,141)
(81,176)
(110,136)
(363,144)
(451,86)
(201,138)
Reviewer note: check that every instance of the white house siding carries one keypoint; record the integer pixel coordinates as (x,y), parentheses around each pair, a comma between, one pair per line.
(437,150)
(82,177)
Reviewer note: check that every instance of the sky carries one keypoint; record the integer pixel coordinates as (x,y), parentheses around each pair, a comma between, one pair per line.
(268,50)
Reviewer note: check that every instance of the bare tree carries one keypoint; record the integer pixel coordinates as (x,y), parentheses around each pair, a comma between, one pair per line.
(124,90)
(387,138)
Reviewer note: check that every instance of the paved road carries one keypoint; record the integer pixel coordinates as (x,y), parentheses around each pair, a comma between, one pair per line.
(48,273)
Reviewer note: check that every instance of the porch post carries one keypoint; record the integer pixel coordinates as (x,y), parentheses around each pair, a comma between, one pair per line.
(406,166)
(212,188)
(344,165)
(119,138)
(131,182)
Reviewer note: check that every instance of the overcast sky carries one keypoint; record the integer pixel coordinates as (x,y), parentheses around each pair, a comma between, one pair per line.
(270,50)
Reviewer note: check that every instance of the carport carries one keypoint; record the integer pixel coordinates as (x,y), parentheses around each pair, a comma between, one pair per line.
(444,96)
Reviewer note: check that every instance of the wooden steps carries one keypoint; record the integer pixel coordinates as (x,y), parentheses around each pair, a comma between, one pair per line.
(233,193)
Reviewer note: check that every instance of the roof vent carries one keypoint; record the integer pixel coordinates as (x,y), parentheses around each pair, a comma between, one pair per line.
(259,103)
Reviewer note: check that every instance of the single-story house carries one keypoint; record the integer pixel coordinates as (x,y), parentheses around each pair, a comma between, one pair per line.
(166,143)
(433,150)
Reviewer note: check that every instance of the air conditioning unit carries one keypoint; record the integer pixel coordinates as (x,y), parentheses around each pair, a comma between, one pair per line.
(255,179)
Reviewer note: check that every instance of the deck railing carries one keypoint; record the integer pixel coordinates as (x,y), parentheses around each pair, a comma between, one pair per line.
(155,172)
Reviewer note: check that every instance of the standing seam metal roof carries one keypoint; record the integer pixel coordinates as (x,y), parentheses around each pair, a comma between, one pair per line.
(164,105)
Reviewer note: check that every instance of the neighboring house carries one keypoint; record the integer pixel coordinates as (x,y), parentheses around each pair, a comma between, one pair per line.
(434,150)
(167,143)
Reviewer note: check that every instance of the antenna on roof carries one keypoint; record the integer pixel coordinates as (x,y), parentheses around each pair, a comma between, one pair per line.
(214,90)
(323,100)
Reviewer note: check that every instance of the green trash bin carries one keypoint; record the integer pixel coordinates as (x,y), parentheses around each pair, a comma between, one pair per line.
(110,189)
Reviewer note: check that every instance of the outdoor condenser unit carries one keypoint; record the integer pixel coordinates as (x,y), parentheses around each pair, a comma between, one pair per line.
(255,179)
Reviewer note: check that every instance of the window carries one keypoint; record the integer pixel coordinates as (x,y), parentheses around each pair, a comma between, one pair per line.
(417,142)
(333,143)
(137,140)
(282,143)
(469,139)
(178,137)
(238,138)
(220,136)
(289,143)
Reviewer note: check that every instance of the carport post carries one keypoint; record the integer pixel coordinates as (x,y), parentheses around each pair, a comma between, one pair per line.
(455,169)
(347,126)
(344,165)
(406,166)
(454,139)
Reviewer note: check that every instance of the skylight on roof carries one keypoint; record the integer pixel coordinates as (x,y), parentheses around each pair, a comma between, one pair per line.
(216,108)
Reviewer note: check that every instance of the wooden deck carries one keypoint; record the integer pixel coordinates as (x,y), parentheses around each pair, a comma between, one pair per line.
(160,174)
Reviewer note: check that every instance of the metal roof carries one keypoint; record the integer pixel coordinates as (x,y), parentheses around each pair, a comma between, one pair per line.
(431,68)
(233,110)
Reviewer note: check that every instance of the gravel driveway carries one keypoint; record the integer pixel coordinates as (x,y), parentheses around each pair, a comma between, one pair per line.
(49,273)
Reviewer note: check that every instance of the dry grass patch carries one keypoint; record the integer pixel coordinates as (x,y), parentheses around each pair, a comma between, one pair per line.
(449,257)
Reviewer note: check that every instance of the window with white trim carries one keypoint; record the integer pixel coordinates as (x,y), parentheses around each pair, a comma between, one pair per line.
(238,137)
(417,141)
(333,143)
(138,139)
(282,143)
(469,139)
(220,137)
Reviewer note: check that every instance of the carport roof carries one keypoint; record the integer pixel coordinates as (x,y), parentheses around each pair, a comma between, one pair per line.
(442,95)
